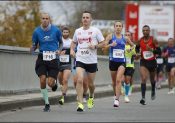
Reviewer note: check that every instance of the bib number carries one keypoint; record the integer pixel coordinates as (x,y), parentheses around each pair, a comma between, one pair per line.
(118,53)
(128,61)
(49,55)
(84,52)
(64,58)
(159,60)
(148,54)
(171,60)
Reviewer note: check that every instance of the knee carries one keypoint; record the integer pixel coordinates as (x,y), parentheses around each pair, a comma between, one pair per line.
(65,81)
(43,82)
(91,85)
(79,81)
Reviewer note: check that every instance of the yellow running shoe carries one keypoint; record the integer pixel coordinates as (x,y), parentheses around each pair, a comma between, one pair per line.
(90,103)
(80,107)
(61,101)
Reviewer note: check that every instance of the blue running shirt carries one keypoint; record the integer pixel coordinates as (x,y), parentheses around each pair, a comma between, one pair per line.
(48,40)
(117,53)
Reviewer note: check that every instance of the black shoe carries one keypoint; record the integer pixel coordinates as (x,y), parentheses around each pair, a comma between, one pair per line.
(46,108)
(54,88)
(142,101)
(153,95)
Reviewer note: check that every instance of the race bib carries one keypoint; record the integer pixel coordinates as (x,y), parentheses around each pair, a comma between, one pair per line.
(171,60)
(159,60)
(118,53)
(128,60)
(64,58)
(148,54)
(49,55)
(84,52)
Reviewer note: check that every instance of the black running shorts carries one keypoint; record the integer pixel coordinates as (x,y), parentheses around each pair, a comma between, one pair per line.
(48,68)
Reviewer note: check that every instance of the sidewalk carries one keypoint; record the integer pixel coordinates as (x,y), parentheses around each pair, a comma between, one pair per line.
(11,102)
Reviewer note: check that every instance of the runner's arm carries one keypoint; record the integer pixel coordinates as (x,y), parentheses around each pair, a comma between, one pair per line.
(106,42)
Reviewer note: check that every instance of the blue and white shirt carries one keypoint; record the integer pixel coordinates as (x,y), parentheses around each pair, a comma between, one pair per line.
(48,40)
(117,53)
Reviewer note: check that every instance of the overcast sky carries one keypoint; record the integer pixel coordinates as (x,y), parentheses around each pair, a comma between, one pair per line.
(62,11)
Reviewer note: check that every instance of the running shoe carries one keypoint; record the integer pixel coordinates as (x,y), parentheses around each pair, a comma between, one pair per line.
(80,107)
(158,86)
(126,98)
(54,88)
(116,103)
(171,91)
(84,98)
(61,101)
(46,108)
(90,103)
(142,101)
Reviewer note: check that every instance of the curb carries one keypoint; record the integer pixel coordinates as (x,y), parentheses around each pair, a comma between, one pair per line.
(18,105)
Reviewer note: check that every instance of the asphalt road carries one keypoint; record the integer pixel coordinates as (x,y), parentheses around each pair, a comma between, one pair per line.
(160,110)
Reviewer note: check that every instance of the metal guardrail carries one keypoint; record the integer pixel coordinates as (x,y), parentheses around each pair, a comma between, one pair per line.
(17,72)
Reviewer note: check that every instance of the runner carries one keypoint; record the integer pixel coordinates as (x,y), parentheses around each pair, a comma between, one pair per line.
(117,62)
(160,65)
(88,39)
(129,71)
(147,62)
(169,54)
(65,64)
(48,37)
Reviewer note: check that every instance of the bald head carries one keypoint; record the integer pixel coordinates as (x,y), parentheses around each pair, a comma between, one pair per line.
(45,20)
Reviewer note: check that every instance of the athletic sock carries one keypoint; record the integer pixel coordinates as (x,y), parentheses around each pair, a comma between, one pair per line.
(127,87)
(153,86)
(143,90)
(45,95)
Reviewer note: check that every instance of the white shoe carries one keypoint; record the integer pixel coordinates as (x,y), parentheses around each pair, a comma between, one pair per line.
(171,91)
(84,100)
(116,103)
(126,98)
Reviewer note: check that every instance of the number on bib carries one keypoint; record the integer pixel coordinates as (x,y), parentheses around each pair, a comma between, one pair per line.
(49,55)
(128,60)
(118,53)
(148,54)
(159,60)
(84,52)
(64,58)
(171,60)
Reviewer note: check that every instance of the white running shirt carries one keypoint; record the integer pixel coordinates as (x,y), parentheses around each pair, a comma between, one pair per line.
(84,38)
(66,43)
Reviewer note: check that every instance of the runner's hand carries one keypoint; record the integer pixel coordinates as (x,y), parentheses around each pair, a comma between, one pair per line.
(58,52)
(92,47)
(113,44)
(63,52)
